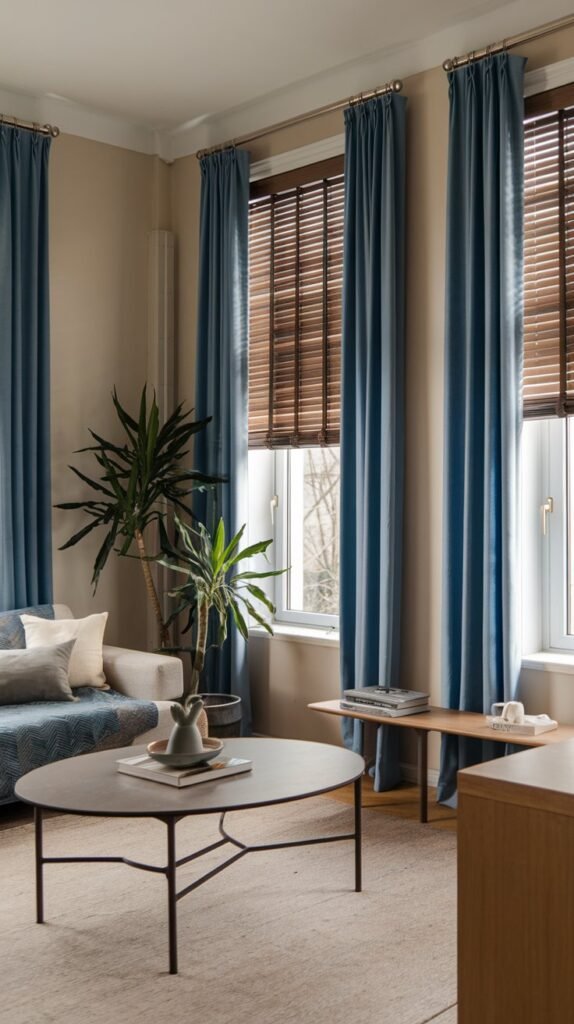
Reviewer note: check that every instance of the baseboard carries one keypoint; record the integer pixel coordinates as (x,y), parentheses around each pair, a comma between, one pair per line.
(410,774)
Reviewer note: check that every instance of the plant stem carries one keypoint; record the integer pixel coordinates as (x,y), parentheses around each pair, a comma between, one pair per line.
(199,657)
(151,589)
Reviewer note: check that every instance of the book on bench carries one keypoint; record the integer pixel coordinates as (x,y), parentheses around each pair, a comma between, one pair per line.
(388,697)
(145,767)
(380,710)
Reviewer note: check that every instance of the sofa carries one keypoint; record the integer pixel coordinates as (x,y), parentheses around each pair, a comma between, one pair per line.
(135,708)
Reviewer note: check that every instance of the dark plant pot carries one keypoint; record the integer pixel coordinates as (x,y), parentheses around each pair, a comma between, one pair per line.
(224,713)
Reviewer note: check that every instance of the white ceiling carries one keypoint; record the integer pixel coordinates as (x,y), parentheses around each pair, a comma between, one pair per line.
(160,63)
(173,76)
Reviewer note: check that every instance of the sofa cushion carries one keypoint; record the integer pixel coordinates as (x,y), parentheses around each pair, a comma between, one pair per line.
(39,674)
(12,634)
(86,663)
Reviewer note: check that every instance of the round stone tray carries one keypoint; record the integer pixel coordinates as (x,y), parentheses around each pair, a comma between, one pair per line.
(211,748)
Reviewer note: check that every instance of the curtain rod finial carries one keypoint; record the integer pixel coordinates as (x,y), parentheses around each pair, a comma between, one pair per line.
(448,64)
(397,85)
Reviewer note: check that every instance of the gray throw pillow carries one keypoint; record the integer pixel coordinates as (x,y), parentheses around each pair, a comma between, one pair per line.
(36,673)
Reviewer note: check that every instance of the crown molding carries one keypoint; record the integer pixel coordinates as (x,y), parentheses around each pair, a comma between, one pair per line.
(75,119)
(309,94)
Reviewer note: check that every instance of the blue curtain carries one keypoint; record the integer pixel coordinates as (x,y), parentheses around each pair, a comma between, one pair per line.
(482,384)
(372,427)
(25,498)
(221,375)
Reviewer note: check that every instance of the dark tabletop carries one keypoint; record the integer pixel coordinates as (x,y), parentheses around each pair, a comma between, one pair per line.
(282,770)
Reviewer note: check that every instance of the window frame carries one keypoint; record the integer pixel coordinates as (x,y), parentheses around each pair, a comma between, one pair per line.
(546,593)
(283,548)
(556,542)
(279,502)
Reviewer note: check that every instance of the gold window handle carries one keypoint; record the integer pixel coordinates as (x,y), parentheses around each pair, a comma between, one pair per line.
(545,510)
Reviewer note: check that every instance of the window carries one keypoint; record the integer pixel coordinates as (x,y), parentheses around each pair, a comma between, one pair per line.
(548,448)
(295,300)
(308,535)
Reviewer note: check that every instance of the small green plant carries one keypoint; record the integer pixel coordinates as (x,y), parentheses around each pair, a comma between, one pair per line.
(137,483)
(214,583)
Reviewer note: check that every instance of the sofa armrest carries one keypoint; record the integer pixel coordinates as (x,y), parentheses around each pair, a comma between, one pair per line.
(143,675)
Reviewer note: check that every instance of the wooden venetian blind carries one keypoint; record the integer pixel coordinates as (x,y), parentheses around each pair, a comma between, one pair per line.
(549,254)
(295,300)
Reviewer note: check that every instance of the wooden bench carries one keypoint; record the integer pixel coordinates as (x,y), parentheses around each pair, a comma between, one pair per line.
(455,723)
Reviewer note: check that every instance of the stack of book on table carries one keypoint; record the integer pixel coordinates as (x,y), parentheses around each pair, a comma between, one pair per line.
(385,701)
(145,767)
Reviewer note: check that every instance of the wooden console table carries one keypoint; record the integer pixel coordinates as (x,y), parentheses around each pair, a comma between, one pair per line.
(515,888)
(456,723)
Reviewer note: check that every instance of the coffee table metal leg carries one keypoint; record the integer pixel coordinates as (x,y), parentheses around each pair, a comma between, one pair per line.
(171,895)
(39,866)
(422,737)
(358,864)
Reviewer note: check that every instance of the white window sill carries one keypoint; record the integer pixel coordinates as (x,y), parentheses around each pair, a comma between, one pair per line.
(550,661)
(321,635)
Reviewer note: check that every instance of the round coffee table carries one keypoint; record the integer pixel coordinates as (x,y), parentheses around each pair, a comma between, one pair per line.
(283,770)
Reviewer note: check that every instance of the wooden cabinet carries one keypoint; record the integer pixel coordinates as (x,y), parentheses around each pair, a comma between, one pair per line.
(516,889)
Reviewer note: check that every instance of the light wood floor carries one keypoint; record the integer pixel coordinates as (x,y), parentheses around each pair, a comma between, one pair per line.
(402,802)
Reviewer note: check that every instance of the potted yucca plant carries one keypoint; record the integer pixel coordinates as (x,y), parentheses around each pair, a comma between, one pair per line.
(217,587)
(138,481)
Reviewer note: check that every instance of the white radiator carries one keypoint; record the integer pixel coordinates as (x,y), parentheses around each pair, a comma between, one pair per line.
(161,364)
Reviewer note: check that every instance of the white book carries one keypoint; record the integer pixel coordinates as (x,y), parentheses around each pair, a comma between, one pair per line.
(145,767)
(379,711)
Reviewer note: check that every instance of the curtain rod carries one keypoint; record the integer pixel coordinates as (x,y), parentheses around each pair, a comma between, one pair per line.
(523,37)
(394,86)
(30,126)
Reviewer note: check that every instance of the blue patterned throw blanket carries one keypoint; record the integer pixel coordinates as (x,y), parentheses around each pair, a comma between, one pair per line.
(35,734)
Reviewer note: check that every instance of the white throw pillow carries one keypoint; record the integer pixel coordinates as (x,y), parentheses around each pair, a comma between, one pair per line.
(86,663)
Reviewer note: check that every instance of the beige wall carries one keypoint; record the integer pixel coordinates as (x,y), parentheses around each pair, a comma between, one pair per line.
(285,676)
(103,202)
(185,194)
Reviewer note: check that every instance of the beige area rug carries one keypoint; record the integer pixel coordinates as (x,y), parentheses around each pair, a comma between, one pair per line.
(279,937)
